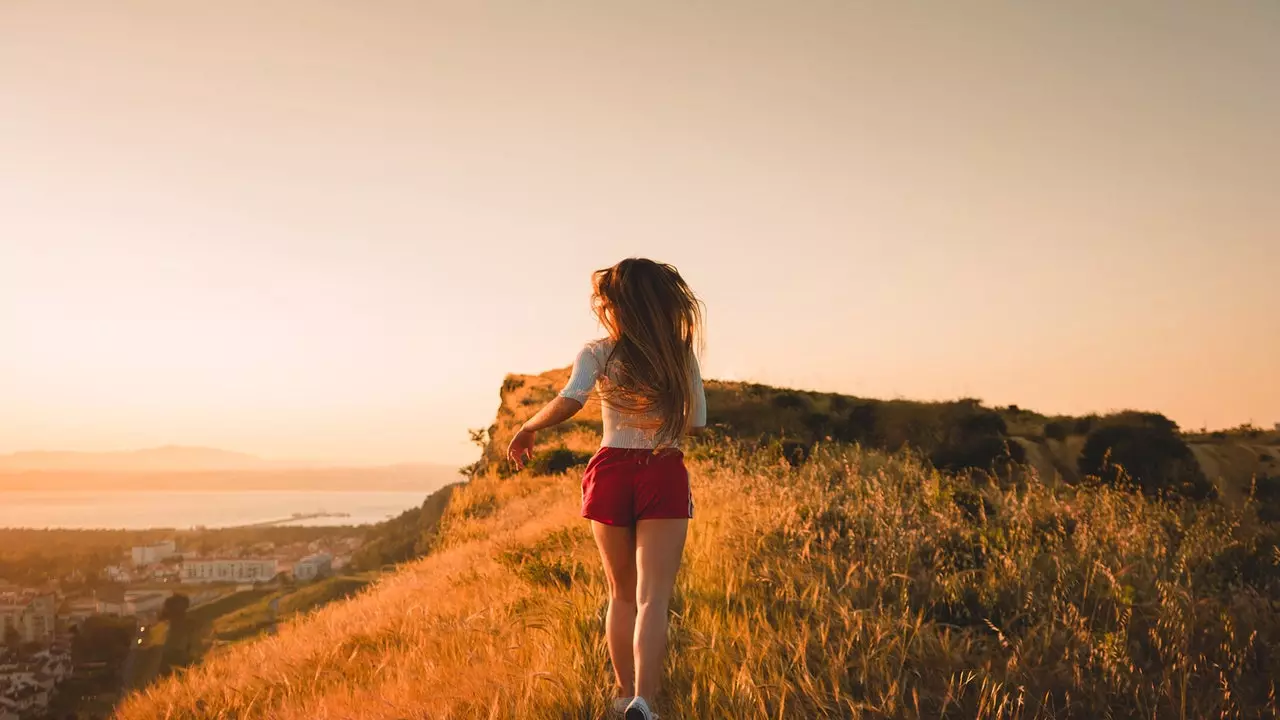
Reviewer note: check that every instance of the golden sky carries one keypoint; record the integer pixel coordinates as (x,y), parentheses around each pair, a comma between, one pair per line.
(325,230)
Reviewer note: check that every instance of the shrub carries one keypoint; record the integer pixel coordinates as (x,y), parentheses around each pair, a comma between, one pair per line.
(860,425)
(975,437)
(1146,448)
(790,401)
(542,569)
(796,452)
(558,460)
(984,452)
(972,503)
(977,423)
(818,424)
(1085,424)
(1266,492)
(1055,430)
(549,562)
(510,384)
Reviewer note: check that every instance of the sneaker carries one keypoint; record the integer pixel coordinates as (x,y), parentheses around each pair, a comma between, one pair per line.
(639,710)
(620,705)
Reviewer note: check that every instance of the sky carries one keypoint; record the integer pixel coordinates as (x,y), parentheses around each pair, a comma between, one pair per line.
(327,230)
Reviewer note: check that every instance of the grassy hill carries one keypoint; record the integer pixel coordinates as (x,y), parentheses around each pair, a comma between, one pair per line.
(797,419)
(827,582)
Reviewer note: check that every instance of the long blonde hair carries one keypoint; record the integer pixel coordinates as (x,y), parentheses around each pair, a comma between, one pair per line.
(655,321)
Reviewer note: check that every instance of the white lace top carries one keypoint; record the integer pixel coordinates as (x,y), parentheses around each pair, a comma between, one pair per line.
(619,427)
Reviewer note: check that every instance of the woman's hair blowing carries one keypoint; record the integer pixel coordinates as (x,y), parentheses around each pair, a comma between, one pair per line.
(655,321)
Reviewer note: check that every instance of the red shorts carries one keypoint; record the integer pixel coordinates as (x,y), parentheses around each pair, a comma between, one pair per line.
(624,485)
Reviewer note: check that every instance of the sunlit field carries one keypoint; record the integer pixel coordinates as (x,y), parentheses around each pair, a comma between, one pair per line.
(856,585)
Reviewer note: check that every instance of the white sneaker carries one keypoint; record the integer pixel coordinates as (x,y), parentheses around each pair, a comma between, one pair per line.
(639,710)
(620,705)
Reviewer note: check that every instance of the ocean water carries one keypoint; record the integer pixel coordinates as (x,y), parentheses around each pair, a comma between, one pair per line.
(135,510)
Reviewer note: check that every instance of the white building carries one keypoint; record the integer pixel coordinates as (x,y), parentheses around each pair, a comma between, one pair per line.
(80,609)
(31,614)
(313,566)
(110,601)
(151,554)
(145,604)
(228,570)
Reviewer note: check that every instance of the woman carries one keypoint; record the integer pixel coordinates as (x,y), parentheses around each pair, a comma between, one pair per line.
(636,490)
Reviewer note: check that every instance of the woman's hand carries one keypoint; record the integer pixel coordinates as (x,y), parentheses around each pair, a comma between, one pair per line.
(521,447)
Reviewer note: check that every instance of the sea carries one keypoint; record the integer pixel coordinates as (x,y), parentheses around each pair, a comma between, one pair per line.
(141,509)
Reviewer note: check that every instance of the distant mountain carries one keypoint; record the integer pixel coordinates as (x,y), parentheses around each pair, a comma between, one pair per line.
(171,458)
(411,478)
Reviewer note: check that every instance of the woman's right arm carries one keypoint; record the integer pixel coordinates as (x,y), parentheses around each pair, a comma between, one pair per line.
(586,368)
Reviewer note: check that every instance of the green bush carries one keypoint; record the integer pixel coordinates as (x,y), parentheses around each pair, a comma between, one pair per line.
(972,502)
(975,437)
(984,452)
(549,562)
(1085,424)
(1266,492)
(860,425)
(1055,430)
(790,401)
(819,425)
(795,452)
(558,460)
(1147,449)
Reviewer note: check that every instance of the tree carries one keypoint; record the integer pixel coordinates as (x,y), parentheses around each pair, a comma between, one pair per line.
(102,638)
(177,644)
(480,438)
(12,639)
(557,460)
(860,425)
(1147,449)
(175,608)
(1056,430)
(975,437)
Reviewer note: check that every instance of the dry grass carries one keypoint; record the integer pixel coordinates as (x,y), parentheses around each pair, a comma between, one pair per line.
(859,585)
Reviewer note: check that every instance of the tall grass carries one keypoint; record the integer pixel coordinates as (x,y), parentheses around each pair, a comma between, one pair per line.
(858,585)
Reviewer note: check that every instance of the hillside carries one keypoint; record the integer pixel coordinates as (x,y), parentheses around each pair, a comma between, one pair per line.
(1051,445)
(854,584)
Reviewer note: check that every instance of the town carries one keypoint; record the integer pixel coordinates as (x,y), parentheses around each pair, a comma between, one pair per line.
(68,646)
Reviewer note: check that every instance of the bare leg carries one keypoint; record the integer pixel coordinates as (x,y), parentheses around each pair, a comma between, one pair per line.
(618,551)
(659,544)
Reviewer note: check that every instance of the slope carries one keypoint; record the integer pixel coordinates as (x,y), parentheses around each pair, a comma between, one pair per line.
(856,585)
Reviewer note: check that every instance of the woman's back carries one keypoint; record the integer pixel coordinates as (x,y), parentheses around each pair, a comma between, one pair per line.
(623,429)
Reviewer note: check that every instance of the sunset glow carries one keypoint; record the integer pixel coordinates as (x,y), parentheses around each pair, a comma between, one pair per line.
(326,231)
